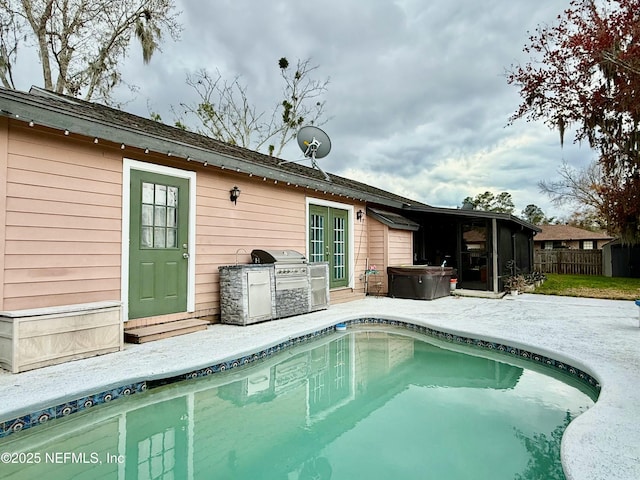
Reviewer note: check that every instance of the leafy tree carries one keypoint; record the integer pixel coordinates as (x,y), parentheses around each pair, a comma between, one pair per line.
(224,111)
(488,202)
(80,43)
(585,73)
(534,214)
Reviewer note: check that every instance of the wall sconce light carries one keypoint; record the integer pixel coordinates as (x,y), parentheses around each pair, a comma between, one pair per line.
(234,193)
(360,215)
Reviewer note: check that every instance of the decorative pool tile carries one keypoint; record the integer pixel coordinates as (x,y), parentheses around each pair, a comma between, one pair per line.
(67,408)
(64,409)
(42,416)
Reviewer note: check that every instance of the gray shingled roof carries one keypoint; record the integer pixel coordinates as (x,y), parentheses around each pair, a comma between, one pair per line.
(105,123)
(93,120)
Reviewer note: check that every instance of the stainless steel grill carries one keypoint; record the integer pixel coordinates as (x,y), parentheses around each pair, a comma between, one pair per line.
(290,267)
(291,273)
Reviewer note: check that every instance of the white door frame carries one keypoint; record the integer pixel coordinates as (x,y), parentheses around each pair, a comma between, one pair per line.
(351,247)
(128,165)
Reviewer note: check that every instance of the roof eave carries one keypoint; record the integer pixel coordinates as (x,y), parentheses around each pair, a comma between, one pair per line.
(476,214)
(28,110)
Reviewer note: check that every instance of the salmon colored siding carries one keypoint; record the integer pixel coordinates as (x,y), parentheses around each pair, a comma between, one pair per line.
(387,247)
(265,216)
(4,148)
(63,219)
(377,240)
(400,247)
(62,228)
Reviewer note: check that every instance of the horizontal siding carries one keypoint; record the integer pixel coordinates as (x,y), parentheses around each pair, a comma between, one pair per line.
(361,254)
(400,247)
(377,256)
(64,213)
(58,261)
(62,221)
(63,226)
(265,216)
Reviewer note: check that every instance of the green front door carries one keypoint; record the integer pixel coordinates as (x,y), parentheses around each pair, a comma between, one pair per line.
(158,244)
(328,242)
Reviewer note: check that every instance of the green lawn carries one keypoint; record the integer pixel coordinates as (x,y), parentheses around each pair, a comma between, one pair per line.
(591,286)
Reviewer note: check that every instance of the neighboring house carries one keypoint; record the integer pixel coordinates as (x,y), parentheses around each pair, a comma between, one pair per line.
(109,219)
(554,237)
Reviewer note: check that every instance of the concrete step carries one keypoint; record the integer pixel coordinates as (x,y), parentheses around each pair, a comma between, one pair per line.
(164,330)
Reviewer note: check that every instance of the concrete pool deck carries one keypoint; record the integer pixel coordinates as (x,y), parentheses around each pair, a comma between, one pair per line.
(601,337)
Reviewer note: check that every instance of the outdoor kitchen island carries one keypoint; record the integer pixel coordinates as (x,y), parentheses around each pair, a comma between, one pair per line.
(279,284)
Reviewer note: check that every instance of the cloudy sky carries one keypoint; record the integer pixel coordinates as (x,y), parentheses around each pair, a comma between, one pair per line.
(417,103)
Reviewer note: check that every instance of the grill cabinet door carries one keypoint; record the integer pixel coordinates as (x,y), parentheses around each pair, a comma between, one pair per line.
(259,286)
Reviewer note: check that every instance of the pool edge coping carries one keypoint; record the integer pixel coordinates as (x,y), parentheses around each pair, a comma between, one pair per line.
(32,416)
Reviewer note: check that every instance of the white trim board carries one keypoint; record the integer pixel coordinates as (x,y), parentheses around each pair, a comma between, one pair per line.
(128,165)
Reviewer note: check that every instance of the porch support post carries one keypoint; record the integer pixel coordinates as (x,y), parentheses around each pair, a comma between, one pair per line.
(494,253)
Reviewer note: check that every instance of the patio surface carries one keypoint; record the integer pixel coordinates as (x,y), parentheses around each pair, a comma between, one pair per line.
(601,337)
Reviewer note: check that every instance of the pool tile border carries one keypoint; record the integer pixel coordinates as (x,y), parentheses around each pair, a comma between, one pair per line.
(42,416)
(62,410)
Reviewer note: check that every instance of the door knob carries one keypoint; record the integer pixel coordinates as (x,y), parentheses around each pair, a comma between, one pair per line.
(185,255)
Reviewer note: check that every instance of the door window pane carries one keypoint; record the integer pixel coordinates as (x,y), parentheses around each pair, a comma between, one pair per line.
(172,196)
(339,248)
(317,238)
(147,192)
(146,237)
(159,216)
(159,238)
(161,195)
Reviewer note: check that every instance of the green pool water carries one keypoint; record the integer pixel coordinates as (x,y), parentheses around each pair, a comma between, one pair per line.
(371,404)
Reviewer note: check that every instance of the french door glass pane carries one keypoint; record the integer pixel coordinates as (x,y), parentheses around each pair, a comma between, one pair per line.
(317,238)
(339,248)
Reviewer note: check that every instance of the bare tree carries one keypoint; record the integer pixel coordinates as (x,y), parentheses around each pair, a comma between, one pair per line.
(579,187)
(582,189)
(10,33)
(224,111)
(80,43)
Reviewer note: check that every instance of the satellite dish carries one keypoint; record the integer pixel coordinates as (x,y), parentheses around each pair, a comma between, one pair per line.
(314,143)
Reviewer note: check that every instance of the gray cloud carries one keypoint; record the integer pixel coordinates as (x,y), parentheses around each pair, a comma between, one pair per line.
(418,101)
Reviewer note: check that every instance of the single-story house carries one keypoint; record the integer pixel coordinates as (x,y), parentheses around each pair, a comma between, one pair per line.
(109,220)
(553,237)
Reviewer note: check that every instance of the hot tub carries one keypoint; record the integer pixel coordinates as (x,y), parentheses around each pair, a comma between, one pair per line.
(419,282)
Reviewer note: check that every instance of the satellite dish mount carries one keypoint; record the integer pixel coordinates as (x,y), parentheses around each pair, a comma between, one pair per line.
(315,144)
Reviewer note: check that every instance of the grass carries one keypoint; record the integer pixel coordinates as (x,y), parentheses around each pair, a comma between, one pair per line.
(591,286)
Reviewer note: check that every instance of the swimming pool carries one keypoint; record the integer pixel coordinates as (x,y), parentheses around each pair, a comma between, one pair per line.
(376,401)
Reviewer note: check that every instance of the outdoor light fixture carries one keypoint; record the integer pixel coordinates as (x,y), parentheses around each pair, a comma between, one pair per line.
(234,193)
(359,215)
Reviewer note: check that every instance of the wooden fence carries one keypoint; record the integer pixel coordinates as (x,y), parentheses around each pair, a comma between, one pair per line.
(575,262)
